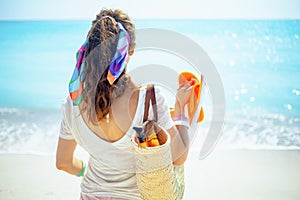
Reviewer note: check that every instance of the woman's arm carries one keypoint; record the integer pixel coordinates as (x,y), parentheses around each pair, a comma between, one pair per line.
(65,159)
(179,134)
(178,147)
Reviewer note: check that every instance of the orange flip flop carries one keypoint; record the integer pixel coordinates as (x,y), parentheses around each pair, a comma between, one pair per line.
(195,110)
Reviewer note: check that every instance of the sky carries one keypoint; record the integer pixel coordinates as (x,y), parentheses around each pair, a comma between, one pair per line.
(141,9)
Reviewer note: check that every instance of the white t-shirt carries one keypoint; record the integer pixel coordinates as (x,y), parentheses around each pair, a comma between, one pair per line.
(111,167)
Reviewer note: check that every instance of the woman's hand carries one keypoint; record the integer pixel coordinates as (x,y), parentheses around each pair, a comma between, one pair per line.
(184,93)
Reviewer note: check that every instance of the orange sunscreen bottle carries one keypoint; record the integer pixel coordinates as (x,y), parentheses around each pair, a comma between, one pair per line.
(152,140)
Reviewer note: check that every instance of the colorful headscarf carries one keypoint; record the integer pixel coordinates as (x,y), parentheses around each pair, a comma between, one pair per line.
(119,61)
(75,84)
(116,66)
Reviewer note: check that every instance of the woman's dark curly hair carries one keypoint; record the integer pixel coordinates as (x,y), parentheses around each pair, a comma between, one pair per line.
(97,93)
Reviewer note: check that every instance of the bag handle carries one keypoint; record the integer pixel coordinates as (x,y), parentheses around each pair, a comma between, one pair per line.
(150,95)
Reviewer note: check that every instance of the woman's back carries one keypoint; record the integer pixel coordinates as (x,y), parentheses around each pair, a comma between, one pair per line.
(119,120)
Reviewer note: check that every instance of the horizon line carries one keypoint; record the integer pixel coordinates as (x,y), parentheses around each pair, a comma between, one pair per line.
(163,18)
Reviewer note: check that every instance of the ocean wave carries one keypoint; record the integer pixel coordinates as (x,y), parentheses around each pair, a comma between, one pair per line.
(262,131)
(27,131)
(8,110)
(36,132)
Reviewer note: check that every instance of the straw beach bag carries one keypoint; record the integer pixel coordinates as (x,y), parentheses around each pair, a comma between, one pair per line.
(157,177)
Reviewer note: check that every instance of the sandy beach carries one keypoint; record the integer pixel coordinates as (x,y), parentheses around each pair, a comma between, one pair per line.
(225,174)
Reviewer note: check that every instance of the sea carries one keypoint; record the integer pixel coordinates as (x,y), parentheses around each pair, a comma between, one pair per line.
(258,62)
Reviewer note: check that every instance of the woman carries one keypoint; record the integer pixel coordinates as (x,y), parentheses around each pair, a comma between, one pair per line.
(104,105)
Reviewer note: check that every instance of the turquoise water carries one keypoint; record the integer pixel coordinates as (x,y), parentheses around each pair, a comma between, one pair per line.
(258,61)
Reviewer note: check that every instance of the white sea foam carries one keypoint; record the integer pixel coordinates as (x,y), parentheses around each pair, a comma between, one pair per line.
(29,132)
(8,110)
(24,131)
